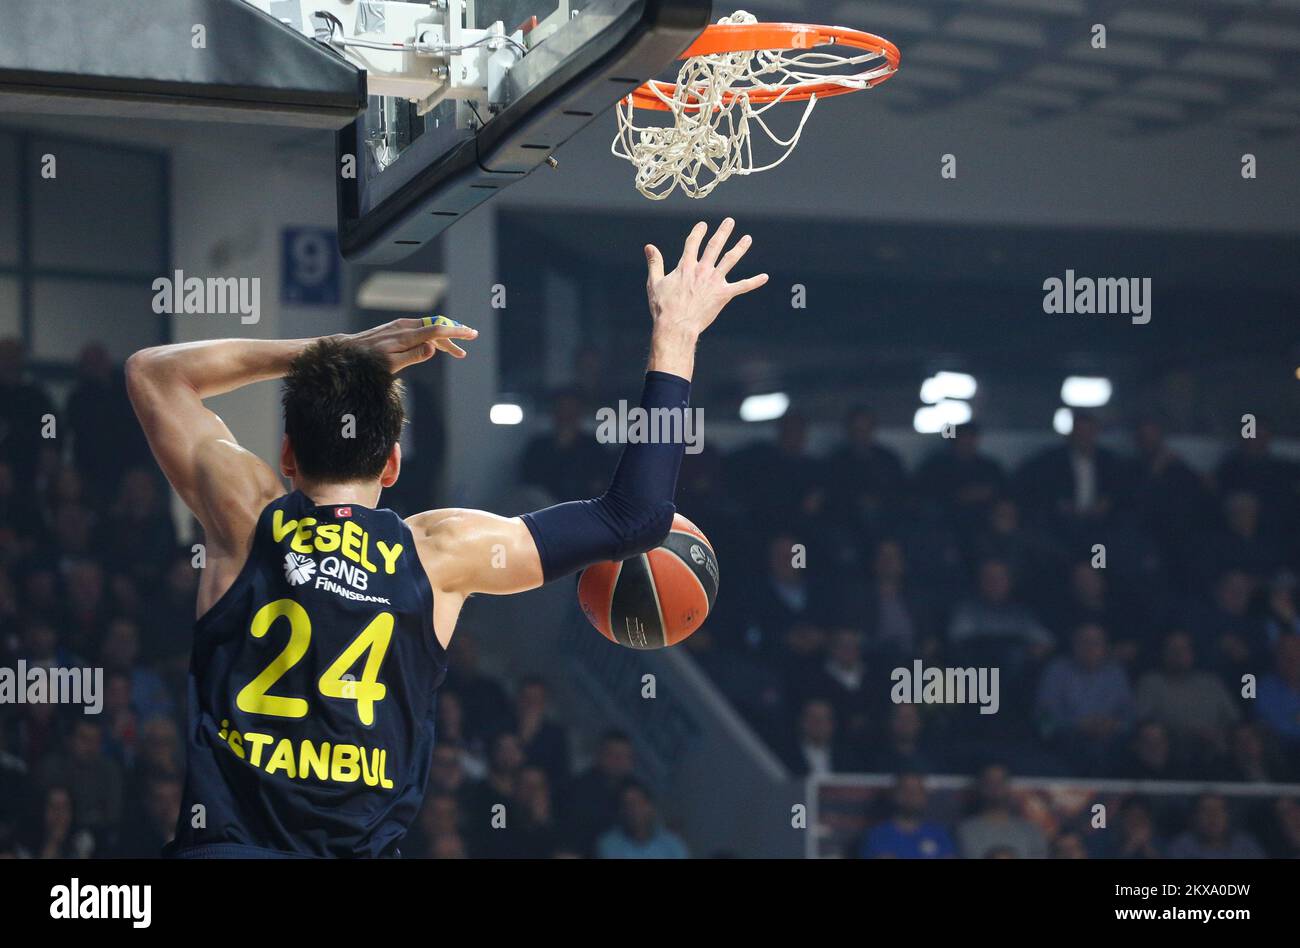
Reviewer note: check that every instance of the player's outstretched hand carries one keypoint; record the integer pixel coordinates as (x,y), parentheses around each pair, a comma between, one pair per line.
(690,298)
(406,342)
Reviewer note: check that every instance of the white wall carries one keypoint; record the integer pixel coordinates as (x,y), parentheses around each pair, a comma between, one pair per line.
(228,210)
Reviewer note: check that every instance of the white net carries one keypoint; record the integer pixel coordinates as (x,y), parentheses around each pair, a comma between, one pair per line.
(713,117)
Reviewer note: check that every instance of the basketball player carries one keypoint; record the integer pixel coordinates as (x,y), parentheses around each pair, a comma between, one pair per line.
(323,621)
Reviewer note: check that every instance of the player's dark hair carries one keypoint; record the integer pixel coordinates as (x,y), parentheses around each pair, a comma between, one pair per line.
(342,411)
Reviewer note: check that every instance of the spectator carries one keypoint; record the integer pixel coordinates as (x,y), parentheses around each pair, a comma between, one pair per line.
(85,608)
(1076,483)
(1150,755)
(1278,704)
(484,702)
(566,462)
(963,480)
(1281,615)
(449,846)
(106,439)
(446,772)
(1025,549)
(138,535)
(451,731)
(166,628)
(439,816)
(1252,467)
(591,802)
(533,832)
(1135,836)
(898,621)
(1088,599)
(639,834)
(546,744)
(816,749)
(995,824)
(783,599)
(1192,704)
(1170,498)
(995,629)
(56,832)
(1212,835)
(23,407)
(907,834)
(146,838)
(793,485)
(904,749)
(1228,633)
(1284,841)
(14,784)
(20,520)
(865,479)
(120,653)
(1084,699)
(1249,759)
(487,802)
(1242,543)
(94,780)
(1069,846)
(841,679)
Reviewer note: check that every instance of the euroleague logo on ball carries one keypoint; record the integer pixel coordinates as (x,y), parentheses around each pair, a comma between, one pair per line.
(703,559)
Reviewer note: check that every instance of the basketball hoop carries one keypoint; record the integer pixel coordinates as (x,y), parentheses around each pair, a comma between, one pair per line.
(737,70)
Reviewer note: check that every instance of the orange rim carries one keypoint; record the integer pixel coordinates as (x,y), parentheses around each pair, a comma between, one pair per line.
(747,37)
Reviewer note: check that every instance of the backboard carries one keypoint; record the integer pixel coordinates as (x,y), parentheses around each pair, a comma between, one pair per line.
(521,77)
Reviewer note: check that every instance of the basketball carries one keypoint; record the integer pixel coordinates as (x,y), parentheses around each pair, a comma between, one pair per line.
(655,599)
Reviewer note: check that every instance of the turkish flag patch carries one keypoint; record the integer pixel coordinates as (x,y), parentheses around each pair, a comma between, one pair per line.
(343,512)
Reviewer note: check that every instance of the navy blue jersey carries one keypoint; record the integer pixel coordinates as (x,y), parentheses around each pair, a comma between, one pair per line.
(311,690)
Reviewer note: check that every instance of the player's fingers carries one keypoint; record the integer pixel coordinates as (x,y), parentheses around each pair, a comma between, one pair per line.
(412,356)
(446,345)
(734,255)
(691,252)
(427,332)
(654,262)
(719,240)
(741,287)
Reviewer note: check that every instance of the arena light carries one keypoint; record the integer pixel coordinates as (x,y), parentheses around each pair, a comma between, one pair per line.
(404,292)
(768,407)
(943,385)
(931,419)
(1063,421)
(1082,391)
(506,413)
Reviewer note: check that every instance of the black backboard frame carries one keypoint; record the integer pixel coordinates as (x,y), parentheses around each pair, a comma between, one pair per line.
(576,74)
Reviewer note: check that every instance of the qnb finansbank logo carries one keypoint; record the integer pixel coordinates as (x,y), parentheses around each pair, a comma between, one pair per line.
(637,425)
(85,901)
(179,295)
(1099,296)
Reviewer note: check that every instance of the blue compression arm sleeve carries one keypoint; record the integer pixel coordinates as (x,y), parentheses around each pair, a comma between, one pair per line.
(634,514)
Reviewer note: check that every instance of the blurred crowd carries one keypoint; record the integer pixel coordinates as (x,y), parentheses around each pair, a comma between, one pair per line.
(1142,616)
(92,576)
(995,822)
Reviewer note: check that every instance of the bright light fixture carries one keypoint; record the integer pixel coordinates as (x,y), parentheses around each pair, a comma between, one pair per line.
(768,407)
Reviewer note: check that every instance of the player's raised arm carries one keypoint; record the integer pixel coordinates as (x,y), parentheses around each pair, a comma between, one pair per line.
(467,551)
(224,485)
